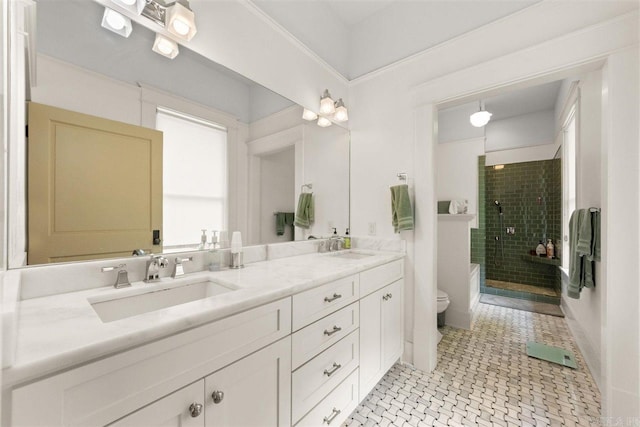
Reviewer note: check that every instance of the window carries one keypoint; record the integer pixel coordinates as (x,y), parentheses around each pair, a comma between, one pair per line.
(569,136)
(194,177)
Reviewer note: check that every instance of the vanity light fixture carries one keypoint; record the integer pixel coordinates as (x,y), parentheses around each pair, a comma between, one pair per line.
(341,114)
(116,22)
(323,122)
(480,118)
(134,6)
(180,20)
(309,115)
(165,46)
(327,105)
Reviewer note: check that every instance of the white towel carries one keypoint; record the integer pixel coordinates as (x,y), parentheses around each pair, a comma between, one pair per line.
(458,207)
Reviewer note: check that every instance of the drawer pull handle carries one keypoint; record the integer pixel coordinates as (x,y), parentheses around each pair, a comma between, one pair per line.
(335,367)
(333,331)
(217,396)
(333,298)
(195,409)
(387,297)
(334,413)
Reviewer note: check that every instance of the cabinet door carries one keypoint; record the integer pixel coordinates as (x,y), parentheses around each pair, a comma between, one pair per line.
(392,324)
(179,409)
(370,341)
(254,391)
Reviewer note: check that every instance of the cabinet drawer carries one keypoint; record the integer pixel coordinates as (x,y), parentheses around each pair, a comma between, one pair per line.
(314,380)
(319,336)
(336,407)
(103,391)
(314,304)
(377,277)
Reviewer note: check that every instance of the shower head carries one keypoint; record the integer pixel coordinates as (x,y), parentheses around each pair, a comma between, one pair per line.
(498,205)
(496,202)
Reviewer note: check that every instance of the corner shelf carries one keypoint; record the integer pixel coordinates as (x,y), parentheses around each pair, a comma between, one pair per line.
(541,260)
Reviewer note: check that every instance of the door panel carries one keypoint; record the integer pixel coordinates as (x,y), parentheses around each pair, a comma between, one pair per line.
(95,186)
(370,341)
(392,324)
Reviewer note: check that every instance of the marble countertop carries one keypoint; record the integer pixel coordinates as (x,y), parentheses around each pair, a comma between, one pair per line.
(57,332)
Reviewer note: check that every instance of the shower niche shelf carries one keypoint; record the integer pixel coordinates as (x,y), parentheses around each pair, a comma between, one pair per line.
(541,260)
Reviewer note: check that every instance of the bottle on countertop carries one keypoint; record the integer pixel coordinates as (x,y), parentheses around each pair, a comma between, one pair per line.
(214,259)
(541,250)
(203,240)
(347,240)
(550,249)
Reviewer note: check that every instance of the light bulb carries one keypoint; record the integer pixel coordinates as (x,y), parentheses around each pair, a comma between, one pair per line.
(165,46)
(181,27)
(341,114)
(115,20)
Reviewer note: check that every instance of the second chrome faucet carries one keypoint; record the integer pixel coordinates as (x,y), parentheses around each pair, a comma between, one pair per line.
(152,270)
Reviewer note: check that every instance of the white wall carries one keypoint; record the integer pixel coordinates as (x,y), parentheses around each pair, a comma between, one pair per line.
(520,131)
(277,192)
(457,174)
(387,136)
(519,155)
(584,315)
(454,125)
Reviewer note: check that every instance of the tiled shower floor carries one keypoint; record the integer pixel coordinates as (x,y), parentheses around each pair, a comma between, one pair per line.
(484,378)
(538,290)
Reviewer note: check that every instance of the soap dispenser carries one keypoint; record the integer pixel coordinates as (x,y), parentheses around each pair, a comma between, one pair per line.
(347,239)
(203,240)
(214,260)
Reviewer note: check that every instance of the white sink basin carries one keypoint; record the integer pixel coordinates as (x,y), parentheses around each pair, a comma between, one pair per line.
(351,255)
(157,298)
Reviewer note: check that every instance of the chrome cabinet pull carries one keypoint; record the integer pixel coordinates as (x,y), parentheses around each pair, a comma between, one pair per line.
(333,331)
(334,413)
(217,396)
(336,366)
(387,297)
(333,298)
(195,409)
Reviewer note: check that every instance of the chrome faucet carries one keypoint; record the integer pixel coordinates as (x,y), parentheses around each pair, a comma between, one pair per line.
(152,270)
(122,281)
(336,244)
(179,270)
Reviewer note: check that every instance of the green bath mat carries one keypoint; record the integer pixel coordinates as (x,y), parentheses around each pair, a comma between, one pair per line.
(551,354)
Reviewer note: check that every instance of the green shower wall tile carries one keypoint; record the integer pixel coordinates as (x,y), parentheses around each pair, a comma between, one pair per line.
(530,195)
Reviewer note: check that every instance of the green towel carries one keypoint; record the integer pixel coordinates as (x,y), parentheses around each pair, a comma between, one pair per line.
(584,250)
(304,214)
(401,211)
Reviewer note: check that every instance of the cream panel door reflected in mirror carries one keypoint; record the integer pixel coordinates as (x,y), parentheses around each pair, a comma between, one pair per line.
(94,186)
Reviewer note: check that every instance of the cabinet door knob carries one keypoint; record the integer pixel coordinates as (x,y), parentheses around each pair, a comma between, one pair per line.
(217,396)
(387,297)
(335,367)
(195,409)
(334,413)
(333,331)
(332,298)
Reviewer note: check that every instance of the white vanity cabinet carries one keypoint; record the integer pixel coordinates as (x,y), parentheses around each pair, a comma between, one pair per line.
(381,324)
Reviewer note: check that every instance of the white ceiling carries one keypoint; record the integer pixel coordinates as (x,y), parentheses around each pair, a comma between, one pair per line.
(359,36)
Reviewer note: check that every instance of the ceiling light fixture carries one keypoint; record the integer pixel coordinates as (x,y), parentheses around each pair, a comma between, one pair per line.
(116,22)
(480,118)
(309,115)
(341,114)
(323,122)
(180,20)
(327,105)
(165,46)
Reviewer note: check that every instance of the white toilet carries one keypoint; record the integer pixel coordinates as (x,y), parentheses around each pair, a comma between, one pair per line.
(443,303)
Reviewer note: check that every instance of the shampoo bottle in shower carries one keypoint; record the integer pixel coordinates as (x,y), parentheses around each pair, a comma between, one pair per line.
(540,249)
(550,249)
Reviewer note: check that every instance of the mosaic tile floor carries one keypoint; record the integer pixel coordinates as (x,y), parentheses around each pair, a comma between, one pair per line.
(484,378)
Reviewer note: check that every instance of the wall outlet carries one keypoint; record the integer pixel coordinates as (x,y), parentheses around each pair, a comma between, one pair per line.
(372,229)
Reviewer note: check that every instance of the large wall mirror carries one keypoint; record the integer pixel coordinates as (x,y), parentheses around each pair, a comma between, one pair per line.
(233,155)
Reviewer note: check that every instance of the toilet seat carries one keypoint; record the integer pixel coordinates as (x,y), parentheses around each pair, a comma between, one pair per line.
(442,295)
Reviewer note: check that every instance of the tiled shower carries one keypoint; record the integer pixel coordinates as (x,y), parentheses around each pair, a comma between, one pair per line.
(529,194)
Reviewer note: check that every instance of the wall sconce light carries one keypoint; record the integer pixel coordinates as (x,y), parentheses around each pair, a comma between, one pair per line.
(341,114)
(165,47)
(116,22)
(309,115)
(133,6)
(323,122)
(480,118)
(327,105)
(180,20)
